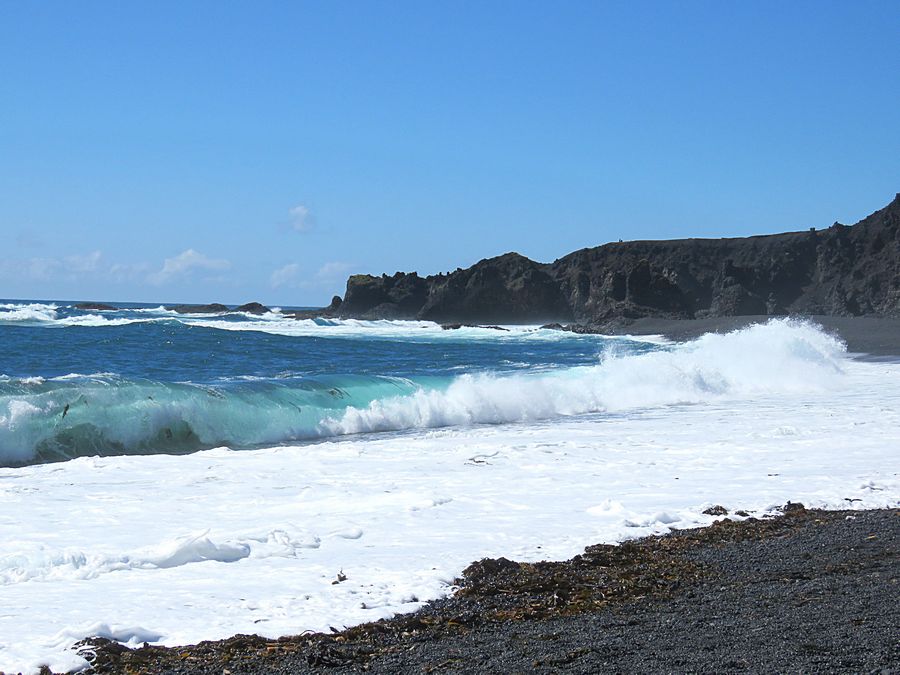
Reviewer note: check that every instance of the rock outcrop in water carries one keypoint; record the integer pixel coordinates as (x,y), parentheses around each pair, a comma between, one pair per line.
(842,270)
(252,308)
(95,307)
(218,308)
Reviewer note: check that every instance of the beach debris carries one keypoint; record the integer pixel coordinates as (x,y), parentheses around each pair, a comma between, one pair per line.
(495,591)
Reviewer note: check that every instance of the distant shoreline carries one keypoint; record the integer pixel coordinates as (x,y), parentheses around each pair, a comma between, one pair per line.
(873,336)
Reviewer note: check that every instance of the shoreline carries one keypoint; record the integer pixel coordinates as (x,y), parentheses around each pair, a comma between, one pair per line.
(806,590)
(857,328)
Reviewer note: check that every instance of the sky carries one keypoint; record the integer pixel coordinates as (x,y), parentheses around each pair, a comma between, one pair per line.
(238,151)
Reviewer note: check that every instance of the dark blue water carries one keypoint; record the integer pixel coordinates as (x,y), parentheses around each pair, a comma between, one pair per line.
(180,349)
(75,383)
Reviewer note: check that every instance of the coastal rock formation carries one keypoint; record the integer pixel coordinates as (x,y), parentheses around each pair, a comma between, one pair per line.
(218,308)
(401,296)
(842,270)
(212,308)
(252,308)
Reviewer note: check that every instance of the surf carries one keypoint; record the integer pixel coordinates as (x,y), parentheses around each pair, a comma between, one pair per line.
(51,419)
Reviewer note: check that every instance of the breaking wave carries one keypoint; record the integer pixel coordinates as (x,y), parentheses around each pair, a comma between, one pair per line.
(60,418)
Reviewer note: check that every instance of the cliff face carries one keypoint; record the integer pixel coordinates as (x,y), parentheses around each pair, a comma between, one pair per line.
(842,270)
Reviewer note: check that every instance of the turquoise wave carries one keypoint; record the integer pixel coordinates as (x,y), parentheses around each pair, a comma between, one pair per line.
(104,414)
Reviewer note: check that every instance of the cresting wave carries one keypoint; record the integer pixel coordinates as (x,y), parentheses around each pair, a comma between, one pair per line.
(60,418)
(103,414)
(35,311)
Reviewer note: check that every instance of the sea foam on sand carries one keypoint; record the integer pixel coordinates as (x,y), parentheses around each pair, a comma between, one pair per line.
(177,549)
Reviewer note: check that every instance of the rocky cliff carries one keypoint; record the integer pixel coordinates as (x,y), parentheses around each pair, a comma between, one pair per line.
(842,270)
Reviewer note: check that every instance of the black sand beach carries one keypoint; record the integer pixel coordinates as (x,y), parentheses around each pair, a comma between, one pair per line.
(809,591)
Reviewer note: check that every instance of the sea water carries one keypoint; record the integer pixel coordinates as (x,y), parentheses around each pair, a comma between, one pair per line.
(171,478)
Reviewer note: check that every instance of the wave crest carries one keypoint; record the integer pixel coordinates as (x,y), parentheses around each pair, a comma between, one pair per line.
(780,356)
(60,418)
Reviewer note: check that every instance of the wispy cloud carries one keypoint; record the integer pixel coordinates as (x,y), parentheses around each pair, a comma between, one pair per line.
(333,271)
(327,275)
(45,269)
(284,275)
(39,269)
(95,267)
(83,264)
(302,219)
(184,264)
(122,272)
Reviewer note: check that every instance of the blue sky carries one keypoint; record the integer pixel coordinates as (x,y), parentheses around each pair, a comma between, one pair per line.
(236,151)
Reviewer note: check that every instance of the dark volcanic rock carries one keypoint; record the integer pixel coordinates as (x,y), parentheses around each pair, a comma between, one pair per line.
(252,308)
(457,326)
(510,288)
(214,308)
(838,271)
(95,307)
(330,311)
(398,297)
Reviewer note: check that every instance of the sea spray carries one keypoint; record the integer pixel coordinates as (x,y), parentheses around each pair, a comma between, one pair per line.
(106,414)
(783,355)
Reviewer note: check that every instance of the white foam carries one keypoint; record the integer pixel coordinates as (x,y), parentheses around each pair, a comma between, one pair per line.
(782,355)
(96,320)
(177,549)
(277,324)
(28,312)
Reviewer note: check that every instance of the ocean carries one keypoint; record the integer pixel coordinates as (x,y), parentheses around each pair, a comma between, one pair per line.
(172,478)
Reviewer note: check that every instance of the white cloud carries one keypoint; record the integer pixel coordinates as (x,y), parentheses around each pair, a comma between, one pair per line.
(326,275)
(284,275)
(81,264)
(41,269)
(121,272)
(333,271)
(185,263)
(302,219)
(46,269)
